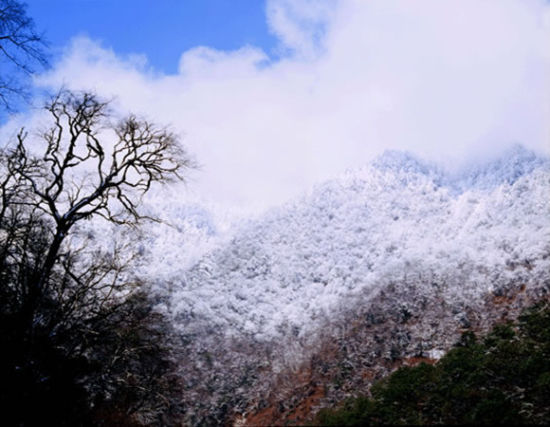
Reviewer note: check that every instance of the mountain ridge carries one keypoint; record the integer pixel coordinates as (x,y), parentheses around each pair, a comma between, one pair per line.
(365,226)
(386,265)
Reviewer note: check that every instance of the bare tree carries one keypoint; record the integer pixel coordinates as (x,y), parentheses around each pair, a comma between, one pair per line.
(91,167)
(21,52)
(84,165)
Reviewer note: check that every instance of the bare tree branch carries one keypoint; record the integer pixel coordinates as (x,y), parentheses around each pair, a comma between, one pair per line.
(21,52)
(89,168)
(59,293)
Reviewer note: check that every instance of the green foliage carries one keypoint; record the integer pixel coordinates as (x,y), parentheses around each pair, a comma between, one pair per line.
(353,412)
(502,379)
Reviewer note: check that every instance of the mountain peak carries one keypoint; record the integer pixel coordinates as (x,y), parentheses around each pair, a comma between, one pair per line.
(513,163)
(402,161)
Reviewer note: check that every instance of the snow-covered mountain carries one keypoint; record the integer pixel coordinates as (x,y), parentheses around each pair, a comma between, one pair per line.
(321,296)
(475,231)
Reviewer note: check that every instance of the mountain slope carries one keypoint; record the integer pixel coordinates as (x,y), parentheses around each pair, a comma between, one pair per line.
(398,217)
(383,266)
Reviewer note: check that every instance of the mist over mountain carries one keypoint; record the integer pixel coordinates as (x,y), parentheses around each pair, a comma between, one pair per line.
(399,216)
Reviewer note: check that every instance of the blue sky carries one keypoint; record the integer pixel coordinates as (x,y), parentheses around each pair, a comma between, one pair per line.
(160,29)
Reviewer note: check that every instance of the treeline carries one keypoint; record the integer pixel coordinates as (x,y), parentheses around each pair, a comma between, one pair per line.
(502,378)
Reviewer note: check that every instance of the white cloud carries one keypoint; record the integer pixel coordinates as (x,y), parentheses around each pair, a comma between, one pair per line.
(446,79)
(300,25)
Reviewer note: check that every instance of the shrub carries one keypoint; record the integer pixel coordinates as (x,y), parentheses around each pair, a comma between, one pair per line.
(502,379)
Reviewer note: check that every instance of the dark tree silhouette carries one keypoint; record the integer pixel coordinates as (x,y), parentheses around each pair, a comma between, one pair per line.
(89,168)
(75,322)
(21,52)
